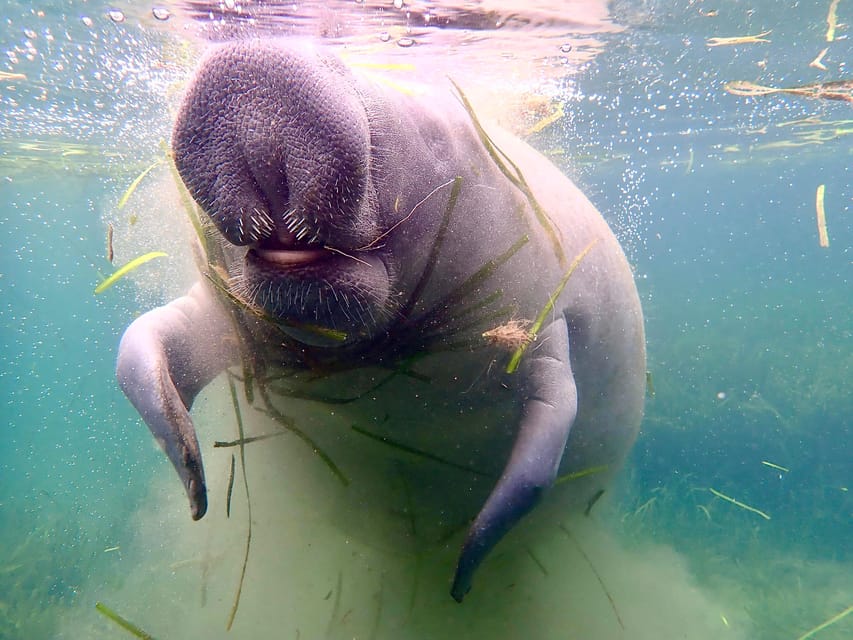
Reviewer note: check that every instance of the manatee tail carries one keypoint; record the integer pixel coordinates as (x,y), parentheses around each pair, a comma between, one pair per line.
(165,358)
(550,408)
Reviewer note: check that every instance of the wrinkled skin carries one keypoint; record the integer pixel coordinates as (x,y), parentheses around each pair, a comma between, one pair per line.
(361,229)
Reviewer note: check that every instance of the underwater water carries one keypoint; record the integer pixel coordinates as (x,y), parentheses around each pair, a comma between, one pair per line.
(713,195)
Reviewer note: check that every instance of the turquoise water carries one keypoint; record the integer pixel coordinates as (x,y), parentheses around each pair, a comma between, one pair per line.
(749,323)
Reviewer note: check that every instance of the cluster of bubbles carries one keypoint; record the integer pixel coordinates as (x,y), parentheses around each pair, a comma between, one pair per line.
(83,86)
(117,15)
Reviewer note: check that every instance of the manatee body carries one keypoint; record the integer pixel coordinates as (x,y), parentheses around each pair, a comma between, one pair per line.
(357,244)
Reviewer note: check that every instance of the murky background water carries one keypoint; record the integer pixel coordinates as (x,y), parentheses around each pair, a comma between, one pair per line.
(750,330)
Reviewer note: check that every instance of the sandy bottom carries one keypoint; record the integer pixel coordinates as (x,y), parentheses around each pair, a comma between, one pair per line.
(308,577)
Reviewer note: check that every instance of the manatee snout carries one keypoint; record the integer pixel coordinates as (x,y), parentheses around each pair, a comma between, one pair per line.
(275,144)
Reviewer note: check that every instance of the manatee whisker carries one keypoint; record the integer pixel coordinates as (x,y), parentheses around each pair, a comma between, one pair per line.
(292,223)
(370,315)
(260,225)
(238,286)
(306,296)
(345,310)
(240,231)
(256,295)
(360,310)
(253,293)
(268,295)
(263,220)
(301,233)
(329,303)
(248,291)
(297,298)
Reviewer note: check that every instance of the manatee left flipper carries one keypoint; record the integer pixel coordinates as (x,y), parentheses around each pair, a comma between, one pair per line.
(550,407)
(165,358)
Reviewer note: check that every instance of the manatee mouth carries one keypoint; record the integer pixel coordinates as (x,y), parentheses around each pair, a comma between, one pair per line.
(290,257)
(284,251)
(309,288)
(289,244)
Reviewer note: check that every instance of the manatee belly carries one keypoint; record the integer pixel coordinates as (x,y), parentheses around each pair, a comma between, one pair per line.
(405,458)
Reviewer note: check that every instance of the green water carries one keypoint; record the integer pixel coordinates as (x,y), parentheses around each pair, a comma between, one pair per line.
(749,325)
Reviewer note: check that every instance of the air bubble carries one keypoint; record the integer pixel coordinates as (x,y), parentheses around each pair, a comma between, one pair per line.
(116,15)
(87,21)
(405,42)
(565,48)
(161,13)
(384,36)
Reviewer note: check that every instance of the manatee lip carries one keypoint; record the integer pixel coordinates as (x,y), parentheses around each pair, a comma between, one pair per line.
(290,257)
(283,249)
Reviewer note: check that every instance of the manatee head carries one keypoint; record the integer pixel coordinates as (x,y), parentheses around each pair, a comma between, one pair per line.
(274,143)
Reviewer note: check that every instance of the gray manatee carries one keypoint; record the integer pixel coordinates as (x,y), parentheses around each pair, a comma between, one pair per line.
(384,254)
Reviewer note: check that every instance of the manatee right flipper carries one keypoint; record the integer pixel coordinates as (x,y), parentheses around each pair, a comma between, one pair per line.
(550,408)
(165,358)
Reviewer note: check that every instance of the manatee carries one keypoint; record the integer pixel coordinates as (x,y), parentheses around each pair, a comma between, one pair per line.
(427,275)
